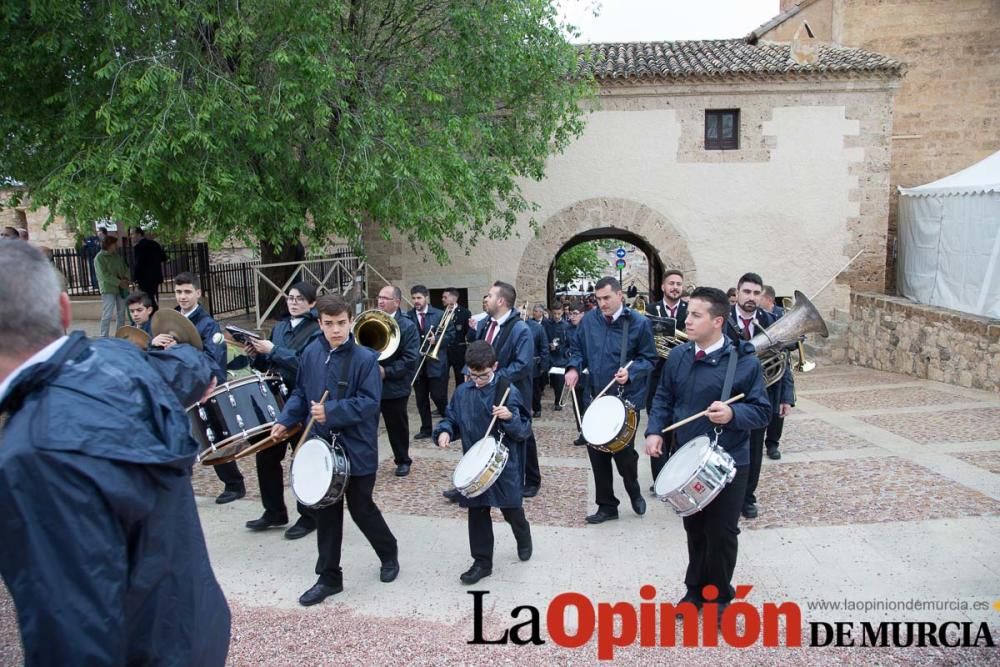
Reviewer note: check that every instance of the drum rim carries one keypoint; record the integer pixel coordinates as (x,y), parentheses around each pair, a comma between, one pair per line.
(229,385)
(328,446)
(492,452)
(701,464)
(233,439)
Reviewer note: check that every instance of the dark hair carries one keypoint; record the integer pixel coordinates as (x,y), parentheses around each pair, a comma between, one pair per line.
(556,306)
(307,291)
(187,278)
(479,355)
(103,229)
(420,289)
(453,291)
(138,230)
(108,242)
(507,293)
(769,290)
(608,281)
(718,302)
(139,296)
(673,272)
(333,304)
(750,278)
(577,306)
(730,292)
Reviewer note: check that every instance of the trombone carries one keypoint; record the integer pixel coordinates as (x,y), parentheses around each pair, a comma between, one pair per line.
(431,345)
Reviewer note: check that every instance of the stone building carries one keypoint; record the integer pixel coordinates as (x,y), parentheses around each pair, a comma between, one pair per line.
(947,109)
(717,157)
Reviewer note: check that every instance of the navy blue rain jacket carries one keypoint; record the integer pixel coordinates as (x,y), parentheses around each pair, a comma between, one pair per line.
(468,415)
(100,541)
(540,341)
(289,342)
(207,328)
(400,367)
(688,387)
(355,417)
(516,354)
(597,346)
(561,331)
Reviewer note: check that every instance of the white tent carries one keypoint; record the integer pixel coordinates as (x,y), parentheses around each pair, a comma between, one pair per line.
(949,240)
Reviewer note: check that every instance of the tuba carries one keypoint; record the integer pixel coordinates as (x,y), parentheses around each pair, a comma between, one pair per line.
(772,344)
(379,331)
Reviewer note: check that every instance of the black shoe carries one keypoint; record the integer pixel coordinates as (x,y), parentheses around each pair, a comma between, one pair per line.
(749,511)
(773,453)
(229,495)
(580,442)
(422,435)
(452,494)
(639,504)
(557,407)
(318,593)
(389,571)
(600,516)
(402,470)
(298,530)
(524,548)
(697,602)
(530,491)
(536,414)
(265,522)
(475,573)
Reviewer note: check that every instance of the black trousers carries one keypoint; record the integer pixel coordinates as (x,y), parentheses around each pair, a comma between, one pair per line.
(532,471)
(425,390)
(231,476)
(756,460)
(558,382)
(456,360)
(537,387)
(367,517)
(397,426)
(627,462)
(270,476)
(712,541)
(481,532)
(151,289)
(773,436)
(656,463)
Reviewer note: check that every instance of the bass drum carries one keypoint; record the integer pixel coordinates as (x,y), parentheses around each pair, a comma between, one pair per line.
(236,415)
(319,473)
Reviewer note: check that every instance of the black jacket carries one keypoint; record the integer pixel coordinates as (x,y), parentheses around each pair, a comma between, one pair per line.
(432,368)
(147,262)
(515,349)
(399,368)
(782,391)
(288,345)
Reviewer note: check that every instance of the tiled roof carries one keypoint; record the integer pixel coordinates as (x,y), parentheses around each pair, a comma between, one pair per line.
(723,58)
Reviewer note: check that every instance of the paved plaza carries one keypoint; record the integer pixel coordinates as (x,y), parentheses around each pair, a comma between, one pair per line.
(888,490)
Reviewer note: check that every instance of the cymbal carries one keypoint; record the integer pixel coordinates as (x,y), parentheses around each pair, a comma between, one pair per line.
(171,322)
(134,335)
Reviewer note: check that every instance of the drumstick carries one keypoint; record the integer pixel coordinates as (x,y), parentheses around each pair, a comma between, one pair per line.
(502,399)
(309,425)
(700,414)
(605,390)
(576,408)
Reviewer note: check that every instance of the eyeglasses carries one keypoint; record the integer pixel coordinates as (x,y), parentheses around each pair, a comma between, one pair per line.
(295,299)
(481,376)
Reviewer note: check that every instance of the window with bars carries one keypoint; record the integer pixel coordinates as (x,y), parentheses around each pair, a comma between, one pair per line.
(722,129)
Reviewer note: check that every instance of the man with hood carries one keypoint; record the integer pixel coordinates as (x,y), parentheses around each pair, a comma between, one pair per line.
(100,542)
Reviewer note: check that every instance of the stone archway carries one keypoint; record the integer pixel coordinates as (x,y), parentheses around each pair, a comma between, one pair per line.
(600,212)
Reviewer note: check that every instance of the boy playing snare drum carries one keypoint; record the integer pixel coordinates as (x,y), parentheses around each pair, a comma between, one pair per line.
(470,413)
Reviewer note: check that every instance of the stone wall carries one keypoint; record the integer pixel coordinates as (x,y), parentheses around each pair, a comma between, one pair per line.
(894,334)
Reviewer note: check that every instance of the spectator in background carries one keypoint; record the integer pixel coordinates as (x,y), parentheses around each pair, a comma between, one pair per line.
(147,266)
(10,234)
(112,280)
(731,294)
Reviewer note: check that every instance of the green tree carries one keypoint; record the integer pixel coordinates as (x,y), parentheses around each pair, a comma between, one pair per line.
(580,261)
(264,119)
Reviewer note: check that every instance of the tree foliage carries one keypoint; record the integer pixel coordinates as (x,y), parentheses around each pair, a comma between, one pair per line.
(582,261)
(261,119)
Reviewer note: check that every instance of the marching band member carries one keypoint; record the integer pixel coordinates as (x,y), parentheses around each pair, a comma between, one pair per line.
(140,309)
(459,339)
(540,370)
(397,372)
(609,336)
(432,381)
(102,549)
(744,322)
(694,377)
(772,439)
(576,312)
(469,414)
(558,331)
(281,353)
(350,412)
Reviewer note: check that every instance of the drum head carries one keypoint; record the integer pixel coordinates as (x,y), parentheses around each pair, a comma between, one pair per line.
(682,464)
(312,471)
(603,420)
(474,462)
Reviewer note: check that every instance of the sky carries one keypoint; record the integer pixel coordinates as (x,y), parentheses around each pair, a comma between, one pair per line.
(665,20)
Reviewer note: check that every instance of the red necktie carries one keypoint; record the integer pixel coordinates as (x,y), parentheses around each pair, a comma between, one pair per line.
(673,311)
(700,354)
(746,328)
(423,323)
(491,331)
(609,319)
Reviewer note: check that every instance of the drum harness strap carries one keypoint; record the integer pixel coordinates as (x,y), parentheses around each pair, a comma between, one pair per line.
(345,373)
(727,386)
(621,355)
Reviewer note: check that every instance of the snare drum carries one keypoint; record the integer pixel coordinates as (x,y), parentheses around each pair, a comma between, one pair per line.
(237,414)
(480,467)
(694,475)
(319,473)
(609,424)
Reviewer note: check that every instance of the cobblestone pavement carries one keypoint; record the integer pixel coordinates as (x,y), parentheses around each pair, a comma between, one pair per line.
(888,491)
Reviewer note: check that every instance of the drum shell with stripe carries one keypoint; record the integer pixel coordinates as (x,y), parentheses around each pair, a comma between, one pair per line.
(236,414)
